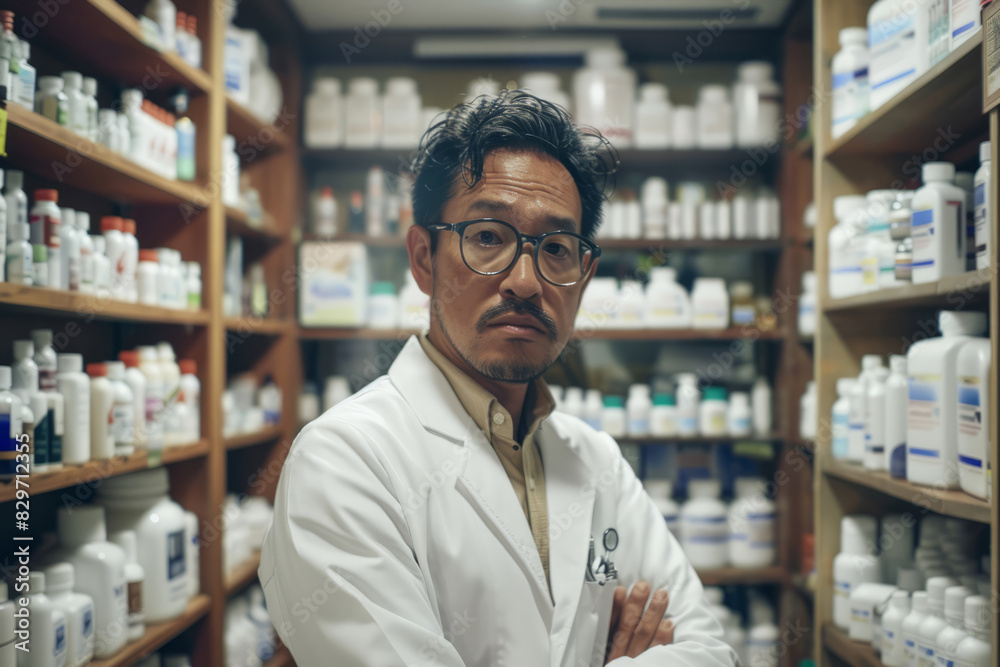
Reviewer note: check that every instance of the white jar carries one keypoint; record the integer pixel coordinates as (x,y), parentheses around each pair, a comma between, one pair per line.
(135,578)
(604,95)
(99,569)
(723,216)
(47,644)
(45,231)
(898,56)
(661,491)
(637,409)
(951,636)
(934,623)
(752,525)
(859,407)
(683,127)
(743,215)
(136,381)
(654,208)
(854,565)
(652,117)
(807,305)
(709,304)
(401,126)
(663,416)
(668,305)
(938,225)
(756,105)
(324,127)
(712,413)
(738,415)
(850,80)
(983,205)
(383,306)
(102,402)
(704,531)
(865,600)
(140,502)
(74,386)
(79,611)
(975,650)
(688,398)
(613,418)
(715,118)
(362,114)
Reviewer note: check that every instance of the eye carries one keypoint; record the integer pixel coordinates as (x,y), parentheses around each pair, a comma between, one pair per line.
(487,238)
(556,249)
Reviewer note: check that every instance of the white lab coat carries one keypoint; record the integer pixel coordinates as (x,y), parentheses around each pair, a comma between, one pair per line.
(397,539)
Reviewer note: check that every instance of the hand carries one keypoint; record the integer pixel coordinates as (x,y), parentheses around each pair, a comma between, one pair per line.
(632,631)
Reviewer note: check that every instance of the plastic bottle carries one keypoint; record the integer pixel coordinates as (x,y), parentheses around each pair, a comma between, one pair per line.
(11,426)
(898,44)
(844,259)
(712,413)
(123,410)
(613,418)
(69,247)
(136,381)
(967,182)
(892,629)
(854,565)
(230,185)
(193,286)
(19,256)
(688,398)
(28,75)
(859,407)
(45,238)
(974,396)
(743,311)
(709,304)
(932,423)
(401,127)
(752,519)
(383,306)
(591,407)
(663,416)
(604,95)
(16,200)
(79,611)
(761,401)
(114,250)
(135,578)
(808,416)
(141,502)
(715,118)
(47,646)
(194,42)
(171,373)
(324,126)
(24,380)
(850,80)
(911,626)
(875,419)
(756,105)
(934,623)
(155,417)
(148,278)
(325,214)
(86,253)
(661,492)
(807,305)
(186,137)
(703,527)
(190,396)
(667,303)
(878,258)
(164,15)
(51,101)
(896,406)
(683,127)
(964,21)
(546,86)
(983,203)
(975,650)
(738,415)
(631,305)
(193,552)
(938,225)
(89,92)
(49,428)
(652,117)
(77,102)
(99,568)
(102,413)
(414,306)
(74,385)
(102,268)
(362,114)
(637,409)
(952,635)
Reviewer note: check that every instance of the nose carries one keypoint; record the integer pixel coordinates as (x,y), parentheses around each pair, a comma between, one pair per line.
(522,280)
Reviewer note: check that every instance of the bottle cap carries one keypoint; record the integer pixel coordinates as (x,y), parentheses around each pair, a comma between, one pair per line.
(59,578)
(116,370)
(954,602)
(977,614)
(47,195)
(327,85)
(870,362)
(36,582)
(23,349)
(363,85)
(128,226)
(653,92)
(937,171)
(89,85)
(97,370)
(984,151)
(715,394)
(72,79)
(704,488)
(962,323)
(664,399)
(111,222)
(165,351)
(844,386)
(383,287)
(604,57)
(844,205)
(401,85)
(192,24)
(748,487)
(41,337)
(188,366)
(147,255)
(919,602)
(81,525)
(900,600)
(69,363)
(658,488)
(83,221)
(613,402)
(326,192)
(858,534)
(936,586)
(853,35)
(182,20)
(759,71)
(897,364)
(809,281)
(130,358)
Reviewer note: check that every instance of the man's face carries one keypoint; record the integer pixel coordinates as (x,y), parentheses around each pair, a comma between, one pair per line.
(512,326)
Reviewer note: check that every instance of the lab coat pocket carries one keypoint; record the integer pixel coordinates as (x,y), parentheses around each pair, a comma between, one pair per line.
(598,601)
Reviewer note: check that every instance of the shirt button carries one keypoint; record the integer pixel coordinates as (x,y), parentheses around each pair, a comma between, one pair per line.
(497,418)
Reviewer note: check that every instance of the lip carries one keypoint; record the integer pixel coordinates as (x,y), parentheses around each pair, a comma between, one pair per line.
(517,324)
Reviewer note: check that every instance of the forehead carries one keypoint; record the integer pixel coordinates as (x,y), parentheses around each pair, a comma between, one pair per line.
(520,185)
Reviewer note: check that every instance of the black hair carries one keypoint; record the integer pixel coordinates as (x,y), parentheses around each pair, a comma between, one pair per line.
(457,146)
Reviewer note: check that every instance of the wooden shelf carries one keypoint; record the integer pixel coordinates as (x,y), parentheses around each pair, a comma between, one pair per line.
(947,503)
(47,149)
(262,326)
(733,333)
(158,635)
(260,437)
(969,286)
(61,303)
(254,137)
(113,45)
(743,576)
(946,99)
(722,440)
(72,475)
(243,575)
(856,654)
(661,245)
(238,223)
(803,148)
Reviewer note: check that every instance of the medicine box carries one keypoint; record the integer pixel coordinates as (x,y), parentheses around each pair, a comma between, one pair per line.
(333,284)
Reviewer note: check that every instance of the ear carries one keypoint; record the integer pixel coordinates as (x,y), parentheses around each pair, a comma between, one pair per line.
(418,247)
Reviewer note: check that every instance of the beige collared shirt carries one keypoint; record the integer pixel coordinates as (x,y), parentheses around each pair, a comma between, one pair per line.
(519,455)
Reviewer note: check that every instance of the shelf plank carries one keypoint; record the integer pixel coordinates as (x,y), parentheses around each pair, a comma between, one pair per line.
(942,105)
(112,45)
(856,654)
(263,326)
(260,437)
(743,576)
(62,303)
(158,635)
(732,333)
(238,223)
(947,503)
(51,151)
(969,286)
(243,575)
(254,137)
(95,470)
(698,440)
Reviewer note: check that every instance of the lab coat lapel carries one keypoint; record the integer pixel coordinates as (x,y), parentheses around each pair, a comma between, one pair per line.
(570,498)
(426,389)
(485,484)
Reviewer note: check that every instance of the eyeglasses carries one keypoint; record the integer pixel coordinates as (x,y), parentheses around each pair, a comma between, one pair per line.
(491,246)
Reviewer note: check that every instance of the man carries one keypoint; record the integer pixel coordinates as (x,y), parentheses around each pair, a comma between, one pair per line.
(445,515)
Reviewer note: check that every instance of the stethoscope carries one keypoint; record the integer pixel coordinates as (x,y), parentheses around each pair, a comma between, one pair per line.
(603,570)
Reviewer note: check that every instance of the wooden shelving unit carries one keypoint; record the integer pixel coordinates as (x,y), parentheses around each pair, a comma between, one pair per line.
(44,301)
(729,576)
(238,223)
(260,138)
(942,109)
(158,635)
(263,326)
(261,437)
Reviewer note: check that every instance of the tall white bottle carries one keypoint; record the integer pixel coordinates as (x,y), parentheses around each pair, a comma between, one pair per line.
(760,399)
(859,408)
(74,385)
(841,418)
(938,225)
(47,643)
(974,399)
(875,420)
(975,650)
(983,204)
(855,564)
(79,610)
(932,417)
(102,416)
(896,407)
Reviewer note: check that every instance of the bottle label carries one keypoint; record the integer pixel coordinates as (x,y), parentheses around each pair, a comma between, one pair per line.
(922,231)
(970,415)
(55,436)
(86,646)
(897,461)
(849,91)
(176,554)
(981,221)
(893,45)
(43,437)
(46,379)
(744,314)
(924,413)
(123,418)
(841,430)
(20,267)
(8,446)
(136,611)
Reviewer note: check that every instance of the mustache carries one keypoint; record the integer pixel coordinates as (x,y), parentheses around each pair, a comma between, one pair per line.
(519,308)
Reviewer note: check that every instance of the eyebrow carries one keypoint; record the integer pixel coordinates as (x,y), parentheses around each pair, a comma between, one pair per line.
(501,209)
